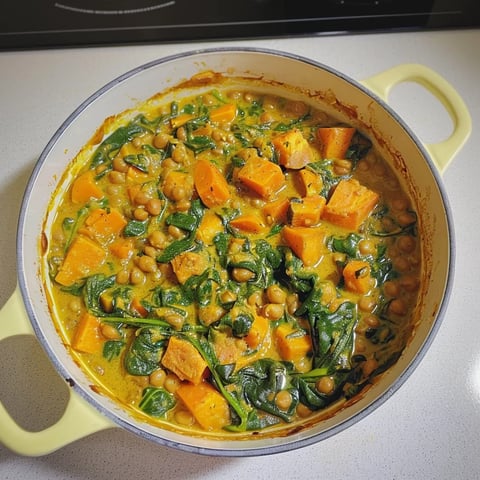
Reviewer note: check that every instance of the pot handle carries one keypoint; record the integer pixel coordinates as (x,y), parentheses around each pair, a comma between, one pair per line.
(79,418)
(442,153)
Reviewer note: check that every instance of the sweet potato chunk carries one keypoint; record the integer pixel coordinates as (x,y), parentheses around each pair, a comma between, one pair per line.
(350,204)
(84,188)
(335,141)
(311,183)
(88,337)
(250,223)
(210,184)
(263,177)
(292,345)
(103,225)
(187,264)
(258,331)
(183,359)
(210,225)
(293,149)
(306,242)
(225,113)
(276,211)
(206,404)
(83,257)
(357,278)
(307,211)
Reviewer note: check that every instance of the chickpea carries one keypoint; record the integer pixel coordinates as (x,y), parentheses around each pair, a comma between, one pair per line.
(402,264)
(181,133)
(157,377)
(303,411)
(242,275)
(157,239)
(178,193)
(116,177)
(175,320)
(119,164)
(137,142)
(114,189)
(110,332)
(409,283)
(283,399)
(154,206)
(400,203)
(276,294)
(185,418)
(210,313)
(273,311)
(255,299)
(372,321)
(172,382)
(367,247)
(406,243)
(161,140)
(406,218)
(266,117)
(150,251)
(325,385)
(367,303)
(137,277)
(292,303)
(179,153)
(175,232)
(391,288)
(147,264)
(169,164)
(141,198)
(397,307)
(122,277)
(183,205)
(342,167)
(140,214)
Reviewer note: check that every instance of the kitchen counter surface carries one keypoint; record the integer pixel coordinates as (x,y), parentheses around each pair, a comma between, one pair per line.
(429,429)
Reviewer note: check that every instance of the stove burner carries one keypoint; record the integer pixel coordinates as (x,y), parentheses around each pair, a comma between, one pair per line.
(27,24)
(81,8)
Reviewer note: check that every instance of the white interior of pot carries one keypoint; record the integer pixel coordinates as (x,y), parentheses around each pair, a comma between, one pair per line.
(144,82)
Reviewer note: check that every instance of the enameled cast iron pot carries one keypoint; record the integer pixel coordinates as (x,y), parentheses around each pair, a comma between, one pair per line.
(361,104)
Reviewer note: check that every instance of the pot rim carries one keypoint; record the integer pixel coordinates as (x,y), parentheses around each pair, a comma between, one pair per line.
(222,451)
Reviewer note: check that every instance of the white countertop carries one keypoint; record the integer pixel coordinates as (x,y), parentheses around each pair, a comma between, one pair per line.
(429,429)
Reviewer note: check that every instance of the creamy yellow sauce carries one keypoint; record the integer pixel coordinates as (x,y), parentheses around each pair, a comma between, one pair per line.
(141,240)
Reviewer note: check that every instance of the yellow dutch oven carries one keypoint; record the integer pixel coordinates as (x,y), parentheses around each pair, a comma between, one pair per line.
(362,104)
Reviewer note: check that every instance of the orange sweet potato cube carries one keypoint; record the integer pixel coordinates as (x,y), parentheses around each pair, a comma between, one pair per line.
(262,176)
(307,243)
(183,359)
(350,204)
(306,211)
(83,257)
(206,404)
(293,149)
(293,345)
(87,337)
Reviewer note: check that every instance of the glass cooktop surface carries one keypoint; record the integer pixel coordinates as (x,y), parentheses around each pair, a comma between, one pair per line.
(28,24)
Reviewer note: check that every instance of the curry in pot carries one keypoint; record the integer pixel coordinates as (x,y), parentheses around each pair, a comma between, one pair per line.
(232,261)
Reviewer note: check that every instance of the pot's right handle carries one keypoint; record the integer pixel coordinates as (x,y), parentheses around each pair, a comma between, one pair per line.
(79,419)
(443,152)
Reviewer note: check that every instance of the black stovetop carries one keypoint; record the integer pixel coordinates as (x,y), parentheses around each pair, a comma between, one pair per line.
(28,24)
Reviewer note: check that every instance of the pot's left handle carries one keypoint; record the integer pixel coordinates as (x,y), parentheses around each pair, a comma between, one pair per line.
(79,419)
(443,152)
